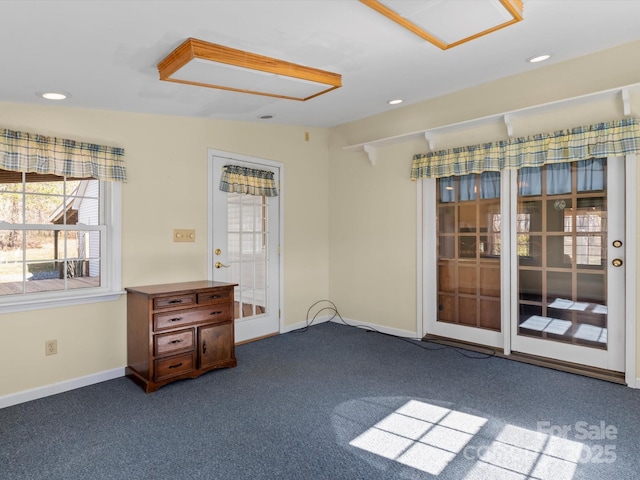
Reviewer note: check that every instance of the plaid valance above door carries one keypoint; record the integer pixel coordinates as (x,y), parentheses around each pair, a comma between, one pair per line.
(620,137)
(250,181)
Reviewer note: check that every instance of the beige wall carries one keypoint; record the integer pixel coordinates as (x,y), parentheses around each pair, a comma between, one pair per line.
(167,188)
(350,228)
(373,236)
(597,72)
(373,252)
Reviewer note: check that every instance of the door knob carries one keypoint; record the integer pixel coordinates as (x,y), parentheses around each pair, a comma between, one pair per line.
(220,264)
(616,262)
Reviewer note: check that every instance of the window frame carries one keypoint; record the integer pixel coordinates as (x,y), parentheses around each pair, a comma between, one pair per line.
(110,288)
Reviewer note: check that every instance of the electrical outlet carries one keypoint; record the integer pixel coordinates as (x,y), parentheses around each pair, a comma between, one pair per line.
(51,347)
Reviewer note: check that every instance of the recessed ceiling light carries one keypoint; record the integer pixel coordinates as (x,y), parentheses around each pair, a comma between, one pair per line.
(53,95)
(395,102)
(538,58)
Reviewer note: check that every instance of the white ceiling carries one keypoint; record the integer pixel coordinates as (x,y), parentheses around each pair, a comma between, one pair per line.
(105,53)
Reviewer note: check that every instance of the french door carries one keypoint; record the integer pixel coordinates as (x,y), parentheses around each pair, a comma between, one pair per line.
(462,286)
(531,261)
(570,275)
(244,248)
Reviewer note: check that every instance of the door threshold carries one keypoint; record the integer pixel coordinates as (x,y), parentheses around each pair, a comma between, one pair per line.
(587,371)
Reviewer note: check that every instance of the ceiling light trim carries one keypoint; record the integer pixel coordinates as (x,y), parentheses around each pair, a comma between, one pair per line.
(193,48)
(539,58)
(513,7)
(53,95)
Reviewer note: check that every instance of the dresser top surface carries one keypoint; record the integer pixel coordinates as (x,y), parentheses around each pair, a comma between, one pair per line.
(178,287)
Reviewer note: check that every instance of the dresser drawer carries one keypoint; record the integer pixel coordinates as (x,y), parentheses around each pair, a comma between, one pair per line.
(170,343)
(211,314)
(174,301)
(215,296)
(174,366)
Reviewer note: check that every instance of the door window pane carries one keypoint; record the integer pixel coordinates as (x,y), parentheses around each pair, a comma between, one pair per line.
(247,246)
(469,229)
(562,269)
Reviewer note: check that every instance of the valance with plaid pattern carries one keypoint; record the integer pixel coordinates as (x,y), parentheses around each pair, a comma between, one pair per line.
(34,153)
(250,181)
(620,137)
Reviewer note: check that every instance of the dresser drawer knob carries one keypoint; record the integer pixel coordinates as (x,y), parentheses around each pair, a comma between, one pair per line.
(175,319)
(173,342)
(217,312)
(214,296)
(175,301)
(176,366)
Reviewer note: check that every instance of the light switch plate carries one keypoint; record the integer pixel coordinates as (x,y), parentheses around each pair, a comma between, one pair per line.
(183,235)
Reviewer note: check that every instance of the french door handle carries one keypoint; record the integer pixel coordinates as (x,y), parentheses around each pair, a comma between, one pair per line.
(220,264)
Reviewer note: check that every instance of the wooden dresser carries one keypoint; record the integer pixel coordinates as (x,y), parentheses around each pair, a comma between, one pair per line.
(178,330)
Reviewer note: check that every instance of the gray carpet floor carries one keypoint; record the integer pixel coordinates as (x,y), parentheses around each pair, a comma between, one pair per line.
(334,402)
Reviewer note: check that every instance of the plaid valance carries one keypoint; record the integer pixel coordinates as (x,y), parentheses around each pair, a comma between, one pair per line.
(30,152)
(620,137)
(250,181)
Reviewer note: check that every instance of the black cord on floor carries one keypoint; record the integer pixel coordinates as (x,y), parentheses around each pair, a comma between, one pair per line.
(418,342)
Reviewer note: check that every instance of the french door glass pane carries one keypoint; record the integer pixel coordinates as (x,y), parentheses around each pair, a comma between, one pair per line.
(562,253)
(468,226)
(247,253)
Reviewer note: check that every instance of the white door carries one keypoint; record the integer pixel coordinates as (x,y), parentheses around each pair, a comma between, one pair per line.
(244,248)
(462,258)
(534,265)
(569,279)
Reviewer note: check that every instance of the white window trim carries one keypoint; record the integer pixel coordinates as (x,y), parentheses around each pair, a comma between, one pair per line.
(111,274)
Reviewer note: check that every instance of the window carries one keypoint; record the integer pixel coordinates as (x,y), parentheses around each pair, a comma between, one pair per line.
(247,245)
(59,240)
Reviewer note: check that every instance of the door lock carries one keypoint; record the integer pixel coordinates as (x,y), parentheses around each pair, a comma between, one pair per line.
(616,262)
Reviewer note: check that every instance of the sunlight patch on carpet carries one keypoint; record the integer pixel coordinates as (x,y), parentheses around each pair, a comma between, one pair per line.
(429,438)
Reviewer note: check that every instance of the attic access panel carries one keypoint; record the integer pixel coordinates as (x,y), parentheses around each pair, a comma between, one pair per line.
(447,24)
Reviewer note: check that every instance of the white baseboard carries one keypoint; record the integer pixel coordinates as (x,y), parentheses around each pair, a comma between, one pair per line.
(67,385)
(353,323)
(303,324)
(396,332)
(59,387)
